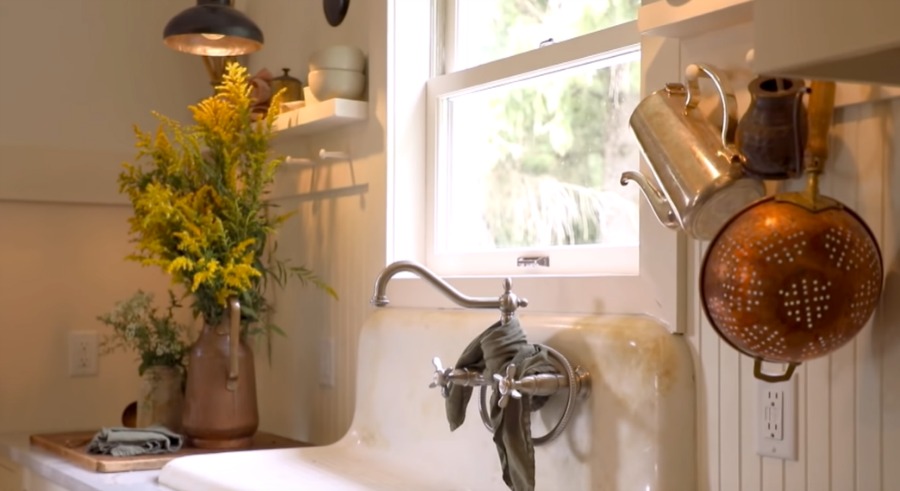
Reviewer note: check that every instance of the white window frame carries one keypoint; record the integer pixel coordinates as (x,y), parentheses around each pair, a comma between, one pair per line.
(657,288)
(604,45)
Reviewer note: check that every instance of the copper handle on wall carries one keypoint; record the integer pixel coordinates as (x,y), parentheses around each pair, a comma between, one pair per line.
(821,107)
(234,340)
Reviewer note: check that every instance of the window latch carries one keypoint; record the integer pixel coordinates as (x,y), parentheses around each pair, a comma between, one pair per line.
(532,261)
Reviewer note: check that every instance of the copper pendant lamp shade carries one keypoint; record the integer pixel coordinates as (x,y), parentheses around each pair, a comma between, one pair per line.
(213,28)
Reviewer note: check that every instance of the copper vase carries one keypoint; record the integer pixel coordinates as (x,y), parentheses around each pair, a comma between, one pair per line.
(220,410)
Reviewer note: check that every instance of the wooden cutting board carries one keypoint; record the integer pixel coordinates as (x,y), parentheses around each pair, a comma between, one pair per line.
(72,446)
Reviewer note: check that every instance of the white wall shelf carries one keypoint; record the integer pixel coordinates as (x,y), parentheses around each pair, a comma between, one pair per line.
(321,116)
(852,41)
(661,18)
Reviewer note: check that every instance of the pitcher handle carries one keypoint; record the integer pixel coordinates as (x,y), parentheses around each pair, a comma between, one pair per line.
(726,97)
(234,307)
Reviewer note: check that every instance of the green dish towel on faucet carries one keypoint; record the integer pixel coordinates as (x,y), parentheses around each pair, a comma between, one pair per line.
(125,442)
(490,353)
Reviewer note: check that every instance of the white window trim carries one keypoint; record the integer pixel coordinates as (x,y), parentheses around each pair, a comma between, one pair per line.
(655,291)
(608,45)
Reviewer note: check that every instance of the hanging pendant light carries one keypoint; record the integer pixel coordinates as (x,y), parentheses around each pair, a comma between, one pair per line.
(213,28)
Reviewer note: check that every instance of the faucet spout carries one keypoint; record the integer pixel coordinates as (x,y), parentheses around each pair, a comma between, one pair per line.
(507,303)
(660,205)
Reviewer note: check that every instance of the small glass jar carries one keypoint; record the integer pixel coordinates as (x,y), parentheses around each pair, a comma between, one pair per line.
(161,398)
(293,87)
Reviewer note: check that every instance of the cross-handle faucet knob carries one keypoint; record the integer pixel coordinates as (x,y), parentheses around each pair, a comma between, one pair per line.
(541,384)
(445,377)
(441,377)
(507,385)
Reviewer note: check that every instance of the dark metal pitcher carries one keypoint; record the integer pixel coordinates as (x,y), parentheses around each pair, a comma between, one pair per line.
(772,133)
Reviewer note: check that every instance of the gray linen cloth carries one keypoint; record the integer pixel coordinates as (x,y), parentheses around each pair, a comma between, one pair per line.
(125,442)
(490,353)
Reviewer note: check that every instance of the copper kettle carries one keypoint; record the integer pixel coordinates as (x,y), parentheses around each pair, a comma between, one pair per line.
(699,182)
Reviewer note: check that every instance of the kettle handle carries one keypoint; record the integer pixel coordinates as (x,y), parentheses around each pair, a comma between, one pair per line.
(726,97)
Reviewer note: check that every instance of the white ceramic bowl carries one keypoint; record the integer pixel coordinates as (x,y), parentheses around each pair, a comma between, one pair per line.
(340,57)
(329,84)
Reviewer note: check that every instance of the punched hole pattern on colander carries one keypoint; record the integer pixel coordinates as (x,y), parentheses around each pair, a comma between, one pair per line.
(783,250)
(846,251)
(721,313)
(760,338)
(806,301)
(864,300)
(740,295)
(825,344)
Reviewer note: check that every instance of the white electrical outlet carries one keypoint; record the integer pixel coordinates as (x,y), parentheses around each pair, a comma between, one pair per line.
(777,419)
(83,353)
(326,362)
(773,414)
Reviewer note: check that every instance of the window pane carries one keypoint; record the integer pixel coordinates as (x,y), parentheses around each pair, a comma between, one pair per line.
(536,163)
(488,30)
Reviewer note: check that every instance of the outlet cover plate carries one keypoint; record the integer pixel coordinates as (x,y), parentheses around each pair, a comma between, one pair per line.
(776,419)
(83,353)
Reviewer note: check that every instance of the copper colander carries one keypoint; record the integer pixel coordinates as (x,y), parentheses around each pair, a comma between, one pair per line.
(793,276)
(784,284)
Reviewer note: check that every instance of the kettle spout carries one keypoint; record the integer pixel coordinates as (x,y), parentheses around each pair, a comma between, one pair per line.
(660,205)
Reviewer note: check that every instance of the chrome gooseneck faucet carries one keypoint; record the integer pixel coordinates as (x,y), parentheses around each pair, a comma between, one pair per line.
(573,380)
(508,302)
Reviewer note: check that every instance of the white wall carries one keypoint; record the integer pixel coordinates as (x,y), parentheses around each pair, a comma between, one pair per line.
(74,76)
(340,237)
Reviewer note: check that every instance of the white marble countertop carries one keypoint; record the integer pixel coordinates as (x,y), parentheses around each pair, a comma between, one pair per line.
(15,447)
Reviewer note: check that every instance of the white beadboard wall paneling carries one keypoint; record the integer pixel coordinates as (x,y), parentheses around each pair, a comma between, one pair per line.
(887,325)
(870,159)
(822,391)
(796,471)
(340,237)
(694,333)
(849,402)
(840,183)
(719,409)
(709,361)
(750,464)
(815,421)
(730,416)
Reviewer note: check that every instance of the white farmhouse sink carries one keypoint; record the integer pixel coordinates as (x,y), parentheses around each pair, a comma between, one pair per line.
(330,468)
(634,431)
